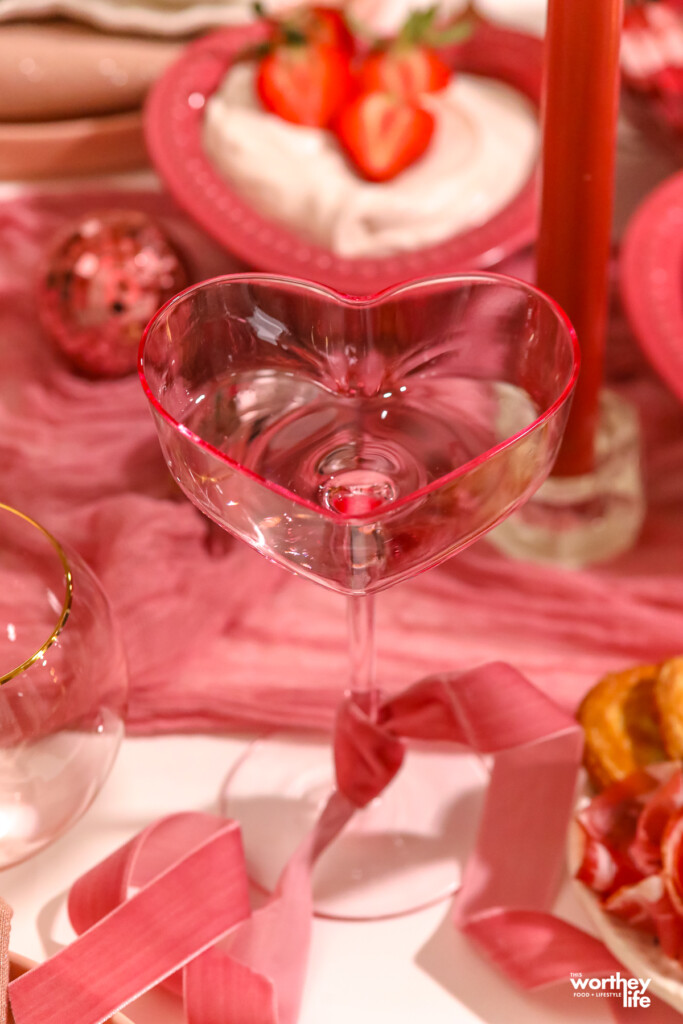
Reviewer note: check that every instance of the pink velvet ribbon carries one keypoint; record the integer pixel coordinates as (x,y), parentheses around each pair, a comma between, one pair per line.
(5,923)
(175,898)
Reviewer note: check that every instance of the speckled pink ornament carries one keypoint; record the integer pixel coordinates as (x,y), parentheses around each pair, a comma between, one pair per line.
(107,275)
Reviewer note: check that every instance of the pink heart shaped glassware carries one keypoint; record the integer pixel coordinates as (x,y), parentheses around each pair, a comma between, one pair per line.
(358,442)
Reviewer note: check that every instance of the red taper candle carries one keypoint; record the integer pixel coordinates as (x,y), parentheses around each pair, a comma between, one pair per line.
(580,107)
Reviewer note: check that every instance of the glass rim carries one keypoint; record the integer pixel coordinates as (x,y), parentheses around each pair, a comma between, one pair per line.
(66,604)
(366,301)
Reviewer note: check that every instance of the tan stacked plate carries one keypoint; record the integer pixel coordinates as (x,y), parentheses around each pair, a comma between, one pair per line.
(71,98)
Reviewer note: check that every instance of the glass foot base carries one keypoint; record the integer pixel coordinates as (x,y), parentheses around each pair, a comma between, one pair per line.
(404,851)
(581,520)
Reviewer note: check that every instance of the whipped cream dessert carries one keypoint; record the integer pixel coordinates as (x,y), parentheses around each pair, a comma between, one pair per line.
(482,152)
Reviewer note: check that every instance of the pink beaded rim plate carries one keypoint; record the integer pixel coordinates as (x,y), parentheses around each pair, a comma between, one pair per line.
(651,279)
(173,119)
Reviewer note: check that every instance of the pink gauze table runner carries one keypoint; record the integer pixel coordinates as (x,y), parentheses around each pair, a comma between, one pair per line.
(216,636)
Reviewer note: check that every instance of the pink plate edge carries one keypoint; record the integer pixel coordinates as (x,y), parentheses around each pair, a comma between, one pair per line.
(651,279)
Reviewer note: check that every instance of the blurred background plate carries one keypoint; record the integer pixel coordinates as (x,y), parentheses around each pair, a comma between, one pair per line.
(154,17)
(178,18)
(71,98)
(651,279)
(84,145)
(173,122)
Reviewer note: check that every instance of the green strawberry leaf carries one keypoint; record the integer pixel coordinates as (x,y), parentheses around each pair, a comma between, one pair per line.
(417,24)
(421,28)
(449,34)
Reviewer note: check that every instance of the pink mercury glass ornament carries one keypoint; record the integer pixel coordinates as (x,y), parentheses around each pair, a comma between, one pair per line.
(358,442)
(106,276)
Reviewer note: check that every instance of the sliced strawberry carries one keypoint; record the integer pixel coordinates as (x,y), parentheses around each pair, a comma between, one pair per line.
(405,71)
(410,65)
(324,25)
(305,83)
(383,135)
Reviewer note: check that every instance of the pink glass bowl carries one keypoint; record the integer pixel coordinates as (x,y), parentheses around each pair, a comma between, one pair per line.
(358,442)
(63,687)
(173,122)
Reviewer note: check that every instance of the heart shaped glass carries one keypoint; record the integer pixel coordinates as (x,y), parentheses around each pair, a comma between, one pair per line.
(359,441)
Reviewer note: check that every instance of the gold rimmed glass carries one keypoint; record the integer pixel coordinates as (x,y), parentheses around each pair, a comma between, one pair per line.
(63,686)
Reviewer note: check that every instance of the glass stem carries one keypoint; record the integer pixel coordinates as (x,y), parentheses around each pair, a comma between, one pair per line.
(361,618)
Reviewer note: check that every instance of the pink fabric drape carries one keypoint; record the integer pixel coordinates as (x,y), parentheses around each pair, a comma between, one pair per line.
(227,639)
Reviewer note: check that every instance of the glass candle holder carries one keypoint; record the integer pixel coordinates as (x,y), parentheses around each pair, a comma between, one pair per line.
(578,521)
(63,687)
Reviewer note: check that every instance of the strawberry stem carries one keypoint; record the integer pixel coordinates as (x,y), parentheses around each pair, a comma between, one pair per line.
(289,34)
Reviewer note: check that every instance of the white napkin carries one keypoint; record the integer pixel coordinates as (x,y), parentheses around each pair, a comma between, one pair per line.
(481,154)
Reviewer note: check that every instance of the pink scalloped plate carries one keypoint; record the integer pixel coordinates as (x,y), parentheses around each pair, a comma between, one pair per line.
(651,279)
(173,119)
